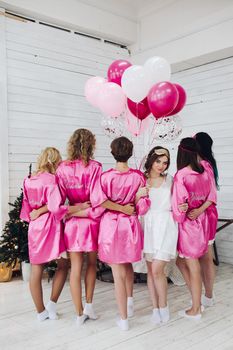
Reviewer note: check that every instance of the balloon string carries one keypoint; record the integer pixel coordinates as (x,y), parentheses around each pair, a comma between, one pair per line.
(151,139)
(134,151)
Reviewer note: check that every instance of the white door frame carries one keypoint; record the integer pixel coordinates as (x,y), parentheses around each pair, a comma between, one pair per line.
(4,173)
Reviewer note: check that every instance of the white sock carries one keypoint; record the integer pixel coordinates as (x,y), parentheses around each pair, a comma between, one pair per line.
(89,311)
(123,324)
(207,302)
(41,316)
(155,318)
(81,319)
(164,314)
(130,307)
(51,307)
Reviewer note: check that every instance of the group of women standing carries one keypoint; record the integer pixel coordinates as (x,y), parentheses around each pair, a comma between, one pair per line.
(72,206)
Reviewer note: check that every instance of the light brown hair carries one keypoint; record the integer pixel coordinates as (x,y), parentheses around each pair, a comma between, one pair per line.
(81,145)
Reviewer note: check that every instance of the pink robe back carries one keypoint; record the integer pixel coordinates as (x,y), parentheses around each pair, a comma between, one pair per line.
(192,188)
(121,236)
(45,234)
(80,183)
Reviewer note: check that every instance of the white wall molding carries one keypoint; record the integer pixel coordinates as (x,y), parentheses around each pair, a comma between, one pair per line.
(79,16)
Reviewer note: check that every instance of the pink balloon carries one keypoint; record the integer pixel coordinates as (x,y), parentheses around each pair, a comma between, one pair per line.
(111,100)
(92,88)
(116,70)
(181,99)
(134,125)
(162,99)
(141,109)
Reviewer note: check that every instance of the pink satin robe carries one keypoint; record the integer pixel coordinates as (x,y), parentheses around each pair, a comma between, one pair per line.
(121,236)
(195,189)
(45,234)
(211,211)
(80,183)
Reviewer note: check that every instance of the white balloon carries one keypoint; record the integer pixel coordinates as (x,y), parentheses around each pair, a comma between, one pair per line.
(135,83)
(157,69)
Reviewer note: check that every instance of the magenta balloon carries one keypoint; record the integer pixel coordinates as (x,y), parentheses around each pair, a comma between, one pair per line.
(181,99)
(141,109)
(116,70)
(162,99)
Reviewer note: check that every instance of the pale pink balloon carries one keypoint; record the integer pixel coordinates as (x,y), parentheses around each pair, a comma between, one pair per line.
(92,88)
(111,100)
(134,125)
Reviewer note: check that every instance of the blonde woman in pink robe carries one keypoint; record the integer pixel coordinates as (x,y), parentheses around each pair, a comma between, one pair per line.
(192,188)
(41,195)
(121,236)
(79,182)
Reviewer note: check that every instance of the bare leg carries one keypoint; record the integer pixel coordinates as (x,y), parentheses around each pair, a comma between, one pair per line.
(181,264)
(151,287)
(75,280)
(36,287)
(119,275)
(90,276)
(208,272)
(160,281)
(195,284)
(59,279)
(129,280)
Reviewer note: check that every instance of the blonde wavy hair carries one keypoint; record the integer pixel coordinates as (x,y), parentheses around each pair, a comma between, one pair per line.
(48,160)
(81,145)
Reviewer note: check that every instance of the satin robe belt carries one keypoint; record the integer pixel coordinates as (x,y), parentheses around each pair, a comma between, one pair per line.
(119,213)
(128,225)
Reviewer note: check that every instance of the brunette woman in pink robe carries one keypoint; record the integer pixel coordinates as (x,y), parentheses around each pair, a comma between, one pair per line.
(45,233)
(208,161)
(192,189)
(121,236)
(79,182)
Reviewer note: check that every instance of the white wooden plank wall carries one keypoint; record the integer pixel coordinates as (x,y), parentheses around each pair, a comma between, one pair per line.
(47,69)
(210,108)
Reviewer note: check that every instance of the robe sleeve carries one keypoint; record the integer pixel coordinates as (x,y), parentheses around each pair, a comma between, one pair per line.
(61,185)
(54,201)
(25,209)
(143,204)
(179,196)
(212,196)
(97,195)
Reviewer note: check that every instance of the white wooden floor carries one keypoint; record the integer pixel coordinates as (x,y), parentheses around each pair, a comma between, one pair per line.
(19,328)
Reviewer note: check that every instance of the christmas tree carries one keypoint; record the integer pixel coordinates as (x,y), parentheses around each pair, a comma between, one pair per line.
(14,239)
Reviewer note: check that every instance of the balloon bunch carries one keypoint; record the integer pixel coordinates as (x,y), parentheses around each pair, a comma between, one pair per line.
(135,92)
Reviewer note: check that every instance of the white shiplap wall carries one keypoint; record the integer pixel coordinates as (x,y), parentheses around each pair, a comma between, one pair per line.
(47,69)
(210,109)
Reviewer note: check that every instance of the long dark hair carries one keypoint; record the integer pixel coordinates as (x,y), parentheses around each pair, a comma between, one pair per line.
(188,151)
(205,143)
